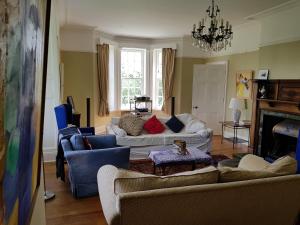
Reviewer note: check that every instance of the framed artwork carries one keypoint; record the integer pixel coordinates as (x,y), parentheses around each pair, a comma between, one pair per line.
(262,75)
(244,84)
(23,72)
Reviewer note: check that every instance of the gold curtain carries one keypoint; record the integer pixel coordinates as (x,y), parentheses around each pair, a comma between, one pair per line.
(102,70)
(168,68)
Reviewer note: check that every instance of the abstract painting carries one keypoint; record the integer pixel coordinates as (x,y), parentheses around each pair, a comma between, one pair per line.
(21,75)
(244,84)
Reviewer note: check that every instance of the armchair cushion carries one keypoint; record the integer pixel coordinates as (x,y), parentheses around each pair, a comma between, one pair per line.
(77,142)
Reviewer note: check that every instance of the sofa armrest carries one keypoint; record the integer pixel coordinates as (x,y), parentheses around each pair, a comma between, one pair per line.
(106,178)
(84,164)
(102,141)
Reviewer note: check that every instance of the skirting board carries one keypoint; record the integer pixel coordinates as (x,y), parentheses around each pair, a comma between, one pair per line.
(49,154)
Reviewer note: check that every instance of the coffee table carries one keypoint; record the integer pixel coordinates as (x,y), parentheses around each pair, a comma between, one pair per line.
(168,156)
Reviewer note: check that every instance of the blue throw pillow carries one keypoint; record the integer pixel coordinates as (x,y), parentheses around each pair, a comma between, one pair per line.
(175,124)
(77,142)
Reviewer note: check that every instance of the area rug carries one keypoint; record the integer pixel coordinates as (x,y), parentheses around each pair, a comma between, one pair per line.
(146,166)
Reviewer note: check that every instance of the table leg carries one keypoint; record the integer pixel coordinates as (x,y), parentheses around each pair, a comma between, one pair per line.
(163,170)
(248,137)
(222,133)
(154,168)
(193,165)
(234,137)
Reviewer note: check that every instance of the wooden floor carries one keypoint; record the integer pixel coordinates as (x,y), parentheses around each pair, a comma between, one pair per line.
(65,209)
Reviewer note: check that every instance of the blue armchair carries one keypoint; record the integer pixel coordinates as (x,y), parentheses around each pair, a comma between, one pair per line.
(84,164)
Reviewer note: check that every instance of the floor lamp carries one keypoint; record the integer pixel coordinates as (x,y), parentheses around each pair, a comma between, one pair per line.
(47,194)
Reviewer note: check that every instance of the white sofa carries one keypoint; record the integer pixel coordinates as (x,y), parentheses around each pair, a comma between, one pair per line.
(194,133)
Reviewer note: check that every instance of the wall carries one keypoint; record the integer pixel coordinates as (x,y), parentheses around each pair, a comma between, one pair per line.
(52,88)
(282,60)
(237,62)
(79,80)
(186,82)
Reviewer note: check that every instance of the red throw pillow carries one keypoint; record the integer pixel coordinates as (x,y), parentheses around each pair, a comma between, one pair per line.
(154,126)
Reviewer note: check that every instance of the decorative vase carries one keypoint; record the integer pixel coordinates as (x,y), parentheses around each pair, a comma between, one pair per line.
(236,115)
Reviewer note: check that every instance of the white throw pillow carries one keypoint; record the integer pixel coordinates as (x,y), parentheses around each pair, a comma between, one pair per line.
(185,118)
(118,131)
(194,125)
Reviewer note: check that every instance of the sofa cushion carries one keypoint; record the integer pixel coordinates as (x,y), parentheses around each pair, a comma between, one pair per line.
(175,124)
(253,162)
(132,124)
(129,181)
(194,126)
(154,126)
(77,142)
(285,165)
(185,118)
(228,174)
(118,131)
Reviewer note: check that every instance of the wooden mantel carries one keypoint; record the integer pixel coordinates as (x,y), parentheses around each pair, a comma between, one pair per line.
(282,96)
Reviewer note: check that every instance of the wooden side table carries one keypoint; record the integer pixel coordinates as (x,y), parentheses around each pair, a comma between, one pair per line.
(236,127)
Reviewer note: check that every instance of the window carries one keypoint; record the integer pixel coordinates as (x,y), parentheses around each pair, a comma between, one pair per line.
(133,82)
(157,79)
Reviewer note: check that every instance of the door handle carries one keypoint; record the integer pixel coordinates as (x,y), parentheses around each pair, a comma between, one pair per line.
(195,107)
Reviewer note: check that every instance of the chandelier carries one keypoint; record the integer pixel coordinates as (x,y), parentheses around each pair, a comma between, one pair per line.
(214,37)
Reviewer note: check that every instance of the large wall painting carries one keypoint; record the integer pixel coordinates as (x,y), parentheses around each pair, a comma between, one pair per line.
(22,52)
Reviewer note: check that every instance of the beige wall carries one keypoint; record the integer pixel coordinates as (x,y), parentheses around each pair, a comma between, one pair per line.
(184,83)
(283,60)
(79,78)
(238,62)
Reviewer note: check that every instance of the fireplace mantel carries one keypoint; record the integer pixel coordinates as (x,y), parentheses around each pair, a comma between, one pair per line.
(281,96)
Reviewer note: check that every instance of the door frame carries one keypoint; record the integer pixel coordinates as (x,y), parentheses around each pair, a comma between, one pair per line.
(225,62)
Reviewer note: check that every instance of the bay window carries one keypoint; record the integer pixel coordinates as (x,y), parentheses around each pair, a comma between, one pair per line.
(140,74)
(133,79)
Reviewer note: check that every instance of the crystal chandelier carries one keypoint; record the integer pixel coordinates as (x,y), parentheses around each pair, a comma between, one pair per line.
(214,37)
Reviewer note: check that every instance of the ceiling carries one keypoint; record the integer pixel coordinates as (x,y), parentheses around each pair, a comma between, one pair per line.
(154,18)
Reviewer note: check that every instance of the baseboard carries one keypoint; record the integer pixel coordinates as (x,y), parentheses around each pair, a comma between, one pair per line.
(228,134)
(49,154)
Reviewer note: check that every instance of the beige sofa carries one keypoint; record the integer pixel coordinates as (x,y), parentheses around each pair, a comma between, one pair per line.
(264,201)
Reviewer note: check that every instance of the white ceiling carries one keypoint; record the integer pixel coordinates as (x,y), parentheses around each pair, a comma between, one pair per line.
(154,18)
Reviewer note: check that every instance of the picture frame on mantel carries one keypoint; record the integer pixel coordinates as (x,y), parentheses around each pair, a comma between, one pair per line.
(262,74)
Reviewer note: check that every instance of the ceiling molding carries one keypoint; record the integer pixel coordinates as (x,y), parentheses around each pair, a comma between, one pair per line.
(284,6)
(282,41)
(77,27)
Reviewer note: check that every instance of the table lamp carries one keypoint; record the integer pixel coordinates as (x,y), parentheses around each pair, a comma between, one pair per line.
(236,106)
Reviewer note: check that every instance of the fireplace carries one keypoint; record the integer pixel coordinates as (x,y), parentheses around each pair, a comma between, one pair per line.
(276,119)
(278,134)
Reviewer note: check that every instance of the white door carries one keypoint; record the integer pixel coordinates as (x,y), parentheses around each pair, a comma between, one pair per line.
(209,93)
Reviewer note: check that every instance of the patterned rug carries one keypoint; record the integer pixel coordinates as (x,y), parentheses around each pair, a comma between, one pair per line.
(146,166)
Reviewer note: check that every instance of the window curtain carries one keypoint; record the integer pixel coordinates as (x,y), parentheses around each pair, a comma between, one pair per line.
(168,68)
(102,70)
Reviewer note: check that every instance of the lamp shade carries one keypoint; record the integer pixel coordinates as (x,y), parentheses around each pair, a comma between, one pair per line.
(235,103)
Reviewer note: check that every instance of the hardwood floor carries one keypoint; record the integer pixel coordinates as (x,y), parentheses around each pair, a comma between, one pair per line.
(65,209)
